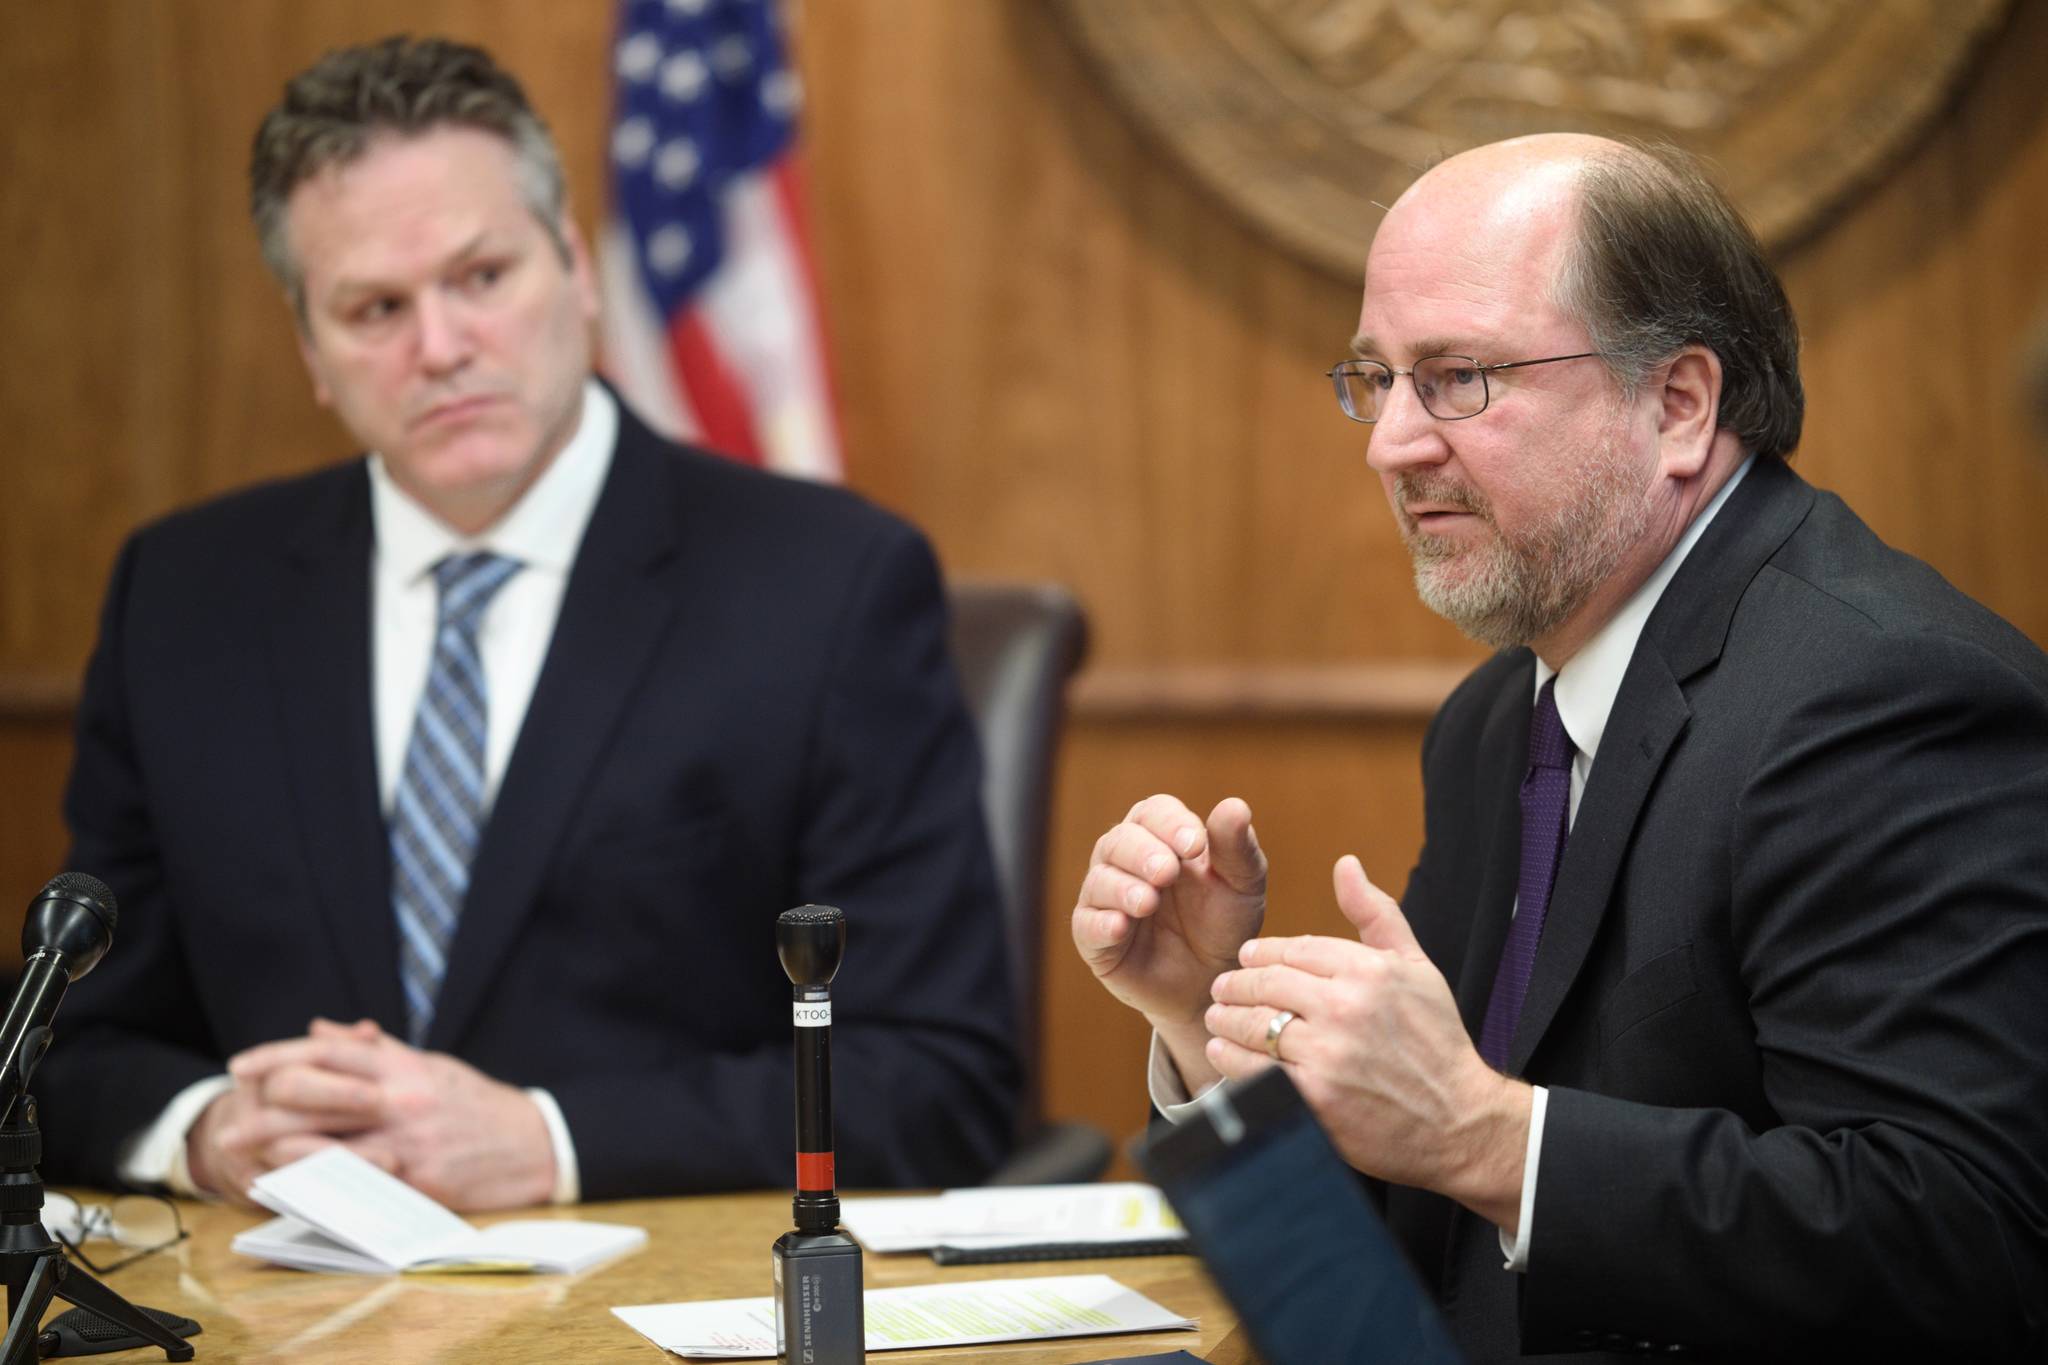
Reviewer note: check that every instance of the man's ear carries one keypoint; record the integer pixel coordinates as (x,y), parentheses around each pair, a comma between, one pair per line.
(309,354)
(581,269)
(1688,390)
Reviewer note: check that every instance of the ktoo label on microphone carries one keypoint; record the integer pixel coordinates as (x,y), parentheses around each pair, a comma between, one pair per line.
(812,1013)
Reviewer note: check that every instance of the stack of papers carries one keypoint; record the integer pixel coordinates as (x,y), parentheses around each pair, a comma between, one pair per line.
(962,1314)
(1025,1222)
(339,1212)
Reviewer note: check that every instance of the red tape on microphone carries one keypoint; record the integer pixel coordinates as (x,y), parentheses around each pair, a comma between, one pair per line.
(814,1172)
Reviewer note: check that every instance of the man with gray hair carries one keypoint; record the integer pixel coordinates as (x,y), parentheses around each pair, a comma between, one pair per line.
(451,793)
(1711,1019)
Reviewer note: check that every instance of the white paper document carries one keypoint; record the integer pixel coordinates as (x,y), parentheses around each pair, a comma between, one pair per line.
(1057,1217)
(339,1212)
(964,1313)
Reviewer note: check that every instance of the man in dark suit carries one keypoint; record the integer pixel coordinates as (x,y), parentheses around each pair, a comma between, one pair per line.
(1712,1018)
(507,744)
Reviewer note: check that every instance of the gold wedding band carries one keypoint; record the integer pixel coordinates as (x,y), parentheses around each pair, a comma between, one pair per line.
(1274,1026)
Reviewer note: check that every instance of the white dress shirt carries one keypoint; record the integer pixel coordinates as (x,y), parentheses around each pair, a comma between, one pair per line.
(1586,688)
(543,531)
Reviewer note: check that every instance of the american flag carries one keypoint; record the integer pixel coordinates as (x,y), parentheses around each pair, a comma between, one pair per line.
(711,326)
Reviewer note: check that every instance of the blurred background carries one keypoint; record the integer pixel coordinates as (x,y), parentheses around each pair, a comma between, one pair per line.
(1062,343)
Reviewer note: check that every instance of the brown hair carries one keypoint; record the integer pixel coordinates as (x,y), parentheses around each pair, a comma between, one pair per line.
(333,109)
(1661,261)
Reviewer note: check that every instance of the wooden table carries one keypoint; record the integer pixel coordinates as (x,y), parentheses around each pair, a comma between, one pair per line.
(712,1247)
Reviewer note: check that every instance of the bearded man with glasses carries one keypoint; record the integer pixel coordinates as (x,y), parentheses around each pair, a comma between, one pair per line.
(1710,1020)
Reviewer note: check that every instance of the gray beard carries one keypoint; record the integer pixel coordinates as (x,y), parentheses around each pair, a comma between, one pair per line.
(1513,591)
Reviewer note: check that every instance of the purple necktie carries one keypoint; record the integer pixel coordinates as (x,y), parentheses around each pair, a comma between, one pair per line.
(1546,807)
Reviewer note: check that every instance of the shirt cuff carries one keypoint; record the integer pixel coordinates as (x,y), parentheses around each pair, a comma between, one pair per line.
(1168,1091)
(568,1180)
(1517,1251)
(156,1154)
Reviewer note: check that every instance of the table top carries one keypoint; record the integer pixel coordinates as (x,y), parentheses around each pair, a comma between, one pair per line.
(708,1247)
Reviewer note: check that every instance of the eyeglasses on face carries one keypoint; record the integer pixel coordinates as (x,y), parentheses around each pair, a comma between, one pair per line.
(143,1223)
(1451,387)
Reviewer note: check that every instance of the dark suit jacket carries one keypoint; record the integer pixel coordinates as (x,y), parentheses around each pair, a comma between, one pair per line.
(747,705)
(1791,999)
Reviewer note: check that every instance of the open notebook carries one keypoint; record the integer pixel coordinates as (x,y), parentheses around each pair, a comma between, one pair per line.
(339,1212)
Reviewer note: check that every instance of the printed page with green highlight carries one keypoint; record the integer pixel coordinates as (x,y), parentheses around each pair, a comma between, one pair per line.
(963,1313)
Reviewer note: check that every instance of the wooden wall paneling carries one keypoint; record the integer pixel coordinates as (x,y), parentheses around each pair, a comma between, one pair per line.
(1915,308)
(35,756)
(63,153)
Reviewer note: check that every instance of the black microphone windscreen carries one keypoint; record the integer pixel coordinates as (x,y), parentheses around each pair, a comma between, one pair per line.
(809,940)
(88,891)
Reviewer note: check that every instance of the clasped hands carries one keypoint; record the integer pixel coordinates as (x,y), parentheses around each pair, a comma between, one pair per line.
(437,1123)
(1168,918)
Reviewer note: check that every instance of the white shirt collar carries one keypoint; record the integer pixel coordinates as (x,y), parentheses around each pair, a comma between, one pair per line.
(1591,678)
(542,530)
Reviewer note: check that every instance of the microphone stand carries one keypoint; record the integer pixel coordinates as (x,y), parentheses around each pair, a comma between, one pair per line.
(33,1265)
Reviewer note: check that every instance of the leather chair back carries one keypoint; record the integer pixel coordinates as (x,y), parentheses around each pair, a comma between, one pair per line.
(1015,645)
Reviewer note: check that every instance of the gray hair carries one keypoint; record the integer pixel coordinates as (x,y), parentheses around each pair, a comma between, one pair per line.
(1661,261)
(335,108)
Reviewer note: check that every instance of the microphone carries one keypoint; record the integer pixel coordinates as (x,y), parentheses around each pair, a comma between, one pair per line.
(810,941)
(819,1314)
(68,929)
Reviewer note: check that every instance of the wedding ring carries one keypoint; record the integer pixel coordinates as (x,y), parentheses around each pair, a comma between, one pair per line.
(1274,1026)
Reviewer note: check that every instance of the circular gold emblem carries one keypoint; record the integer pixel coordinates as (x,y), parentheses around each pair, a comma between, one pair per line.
(1306,114)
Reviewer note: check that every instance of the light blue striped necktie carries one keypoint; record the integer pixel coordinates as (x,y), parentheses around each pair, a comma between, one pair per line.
(439,810)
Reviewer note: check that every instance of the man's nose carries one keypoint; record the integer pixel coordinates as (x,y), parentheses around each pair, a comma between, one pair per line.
(444,339)
(1405,434)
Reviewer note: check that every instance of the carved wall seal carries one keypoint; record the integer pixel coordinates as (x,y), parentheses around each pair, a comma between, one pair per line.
(1304,113)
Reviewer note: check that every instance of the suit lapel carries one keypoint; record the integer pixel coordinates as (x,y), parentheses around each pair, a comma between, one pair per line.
(1682,639)
(319,641)
(1498,811)
(612,619)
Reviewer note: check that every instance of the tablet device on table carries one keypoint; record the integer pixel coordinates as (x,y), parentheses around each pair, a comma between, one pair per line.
(1287,1232)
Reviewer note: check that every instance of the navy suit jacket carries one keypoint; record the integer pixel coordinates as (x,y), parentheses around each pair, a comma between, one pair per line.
(1791,999)
(747,705)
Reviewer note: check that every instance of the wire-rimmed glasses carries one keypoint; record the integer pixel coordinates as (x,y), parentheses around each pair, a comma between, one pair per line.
(1451,387)
(144,1224)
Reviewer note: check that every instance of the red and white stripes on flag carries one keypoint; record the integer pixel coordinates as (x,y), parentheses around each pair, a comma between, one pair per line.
(711,322)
